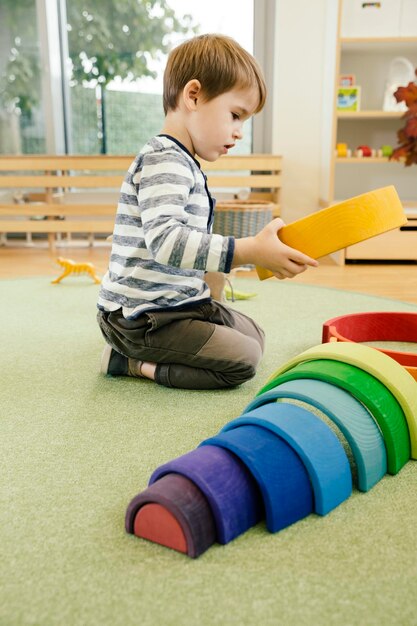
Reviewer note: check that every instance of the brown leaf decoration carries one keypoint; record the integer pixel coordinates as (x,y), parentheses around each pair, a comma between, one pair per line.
(399,153)
(411,159)
(407,135)
(402,136)
(407,94)
(412,111)
(411,127)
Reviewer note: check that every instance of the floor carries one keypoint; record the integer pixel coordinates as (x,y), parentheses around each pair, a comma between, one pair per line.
(398,281)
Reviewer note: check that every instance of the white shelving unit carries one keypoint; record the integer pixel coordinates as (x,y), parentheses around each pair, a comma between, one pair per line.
(368,58)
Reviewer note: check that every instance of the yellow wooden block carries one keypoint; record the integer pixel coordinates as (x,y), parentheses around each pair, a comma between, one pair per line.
(391,374)
(343,224)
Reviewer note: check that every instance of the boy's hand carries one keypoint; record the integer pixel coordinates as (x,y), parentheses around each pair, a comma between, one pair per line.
(266,250)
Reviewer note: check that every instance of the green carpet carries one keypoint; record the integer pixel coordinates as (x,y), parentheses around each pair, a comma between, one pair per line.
(77,446)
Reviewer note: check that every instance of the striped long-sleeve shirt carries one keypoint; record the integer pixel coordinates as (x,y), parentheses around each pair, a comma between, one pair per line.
(162,243)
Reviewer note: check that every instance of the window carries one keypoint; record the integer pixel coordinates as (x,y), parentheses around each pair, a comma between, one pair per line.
(22,127)
(105,61)
(117,63)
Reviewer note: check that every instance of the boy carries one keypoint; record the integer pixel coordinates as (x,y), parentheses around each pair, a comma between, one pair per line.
(155,308)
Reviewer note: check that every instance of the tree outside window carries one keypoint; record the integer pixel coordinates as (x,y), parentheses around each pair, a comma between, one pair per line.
(118,41)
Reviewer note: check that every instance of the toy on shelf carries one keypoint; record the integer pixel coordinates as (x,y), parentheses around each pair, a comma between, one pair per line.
(72,267)
(342,151)
(385,151)
(343,224)
(349,98)
(280,461)
(365,151)
(377,326)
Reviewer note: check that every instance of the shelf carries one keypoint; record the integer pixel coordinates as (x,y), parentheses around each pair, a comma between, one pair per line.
(394,245)
(365,160)
(410,209)
(369,60)
(367,115)
(371,40)
(378,44)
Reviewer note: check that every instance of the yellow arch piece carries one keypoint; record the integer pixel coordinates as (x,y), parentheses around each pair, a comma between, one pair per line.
(391,374)
(343,224)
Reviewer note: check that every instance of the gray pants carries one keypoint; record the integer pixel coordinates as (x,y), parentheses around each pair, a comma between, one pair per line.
(207,347)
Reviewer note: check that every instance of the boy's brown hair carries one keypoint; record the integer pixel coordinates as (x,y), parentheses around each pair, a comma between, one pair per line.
(218,62)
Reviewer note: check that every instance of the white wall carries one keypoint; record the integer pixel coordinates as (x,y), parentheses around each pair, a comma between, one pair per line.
(297,102)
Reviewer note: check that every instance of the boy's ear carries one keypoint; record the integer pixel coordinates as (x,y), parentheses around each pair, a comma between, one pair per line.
(191,93)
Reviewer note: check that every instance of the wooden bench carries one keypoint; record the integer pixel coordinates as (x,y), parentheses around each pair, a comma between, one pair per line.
(78,194)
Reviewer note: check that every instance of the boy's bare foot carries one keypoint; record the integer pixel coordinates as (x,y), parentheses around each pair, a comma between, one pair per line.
(142,369)
(115,364)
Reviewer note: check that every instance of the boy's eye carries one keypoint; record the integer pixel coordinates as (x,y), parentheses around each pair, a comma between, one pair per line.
(235,116)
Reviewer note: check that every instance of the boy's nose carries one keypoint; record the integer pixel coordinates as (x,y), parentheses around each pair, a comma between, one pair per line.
(238,133)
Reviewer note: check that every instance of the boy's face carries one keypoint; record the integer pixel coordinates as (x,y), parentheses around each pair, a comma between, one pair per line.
(216,124)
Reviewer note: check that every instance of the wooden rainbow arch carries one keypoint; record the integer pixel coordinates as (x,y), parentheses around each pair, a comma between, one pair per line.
(280,462)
